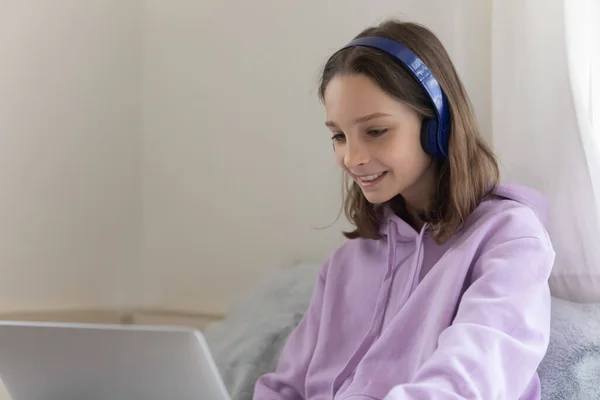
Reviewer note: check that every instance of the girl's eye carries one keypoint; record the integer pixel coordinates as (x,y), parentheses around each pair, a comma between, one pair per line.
(377,132)
(338,137)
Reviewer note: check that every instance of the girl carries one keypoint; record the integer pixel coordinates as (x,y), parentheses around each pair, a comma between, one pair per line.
(442,293)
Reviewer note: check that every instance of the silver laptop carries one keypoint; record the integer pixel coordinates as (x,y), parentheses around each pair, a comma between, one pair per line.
(61,361)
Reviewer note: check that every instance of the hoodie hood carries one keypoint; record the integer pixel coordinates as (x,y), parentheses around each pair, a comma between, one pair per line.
(528,197)
(507,191)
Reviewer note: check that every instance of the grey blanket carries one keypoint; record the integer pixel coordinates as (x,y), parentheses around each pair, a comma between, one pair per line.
(247,344)
(571,368)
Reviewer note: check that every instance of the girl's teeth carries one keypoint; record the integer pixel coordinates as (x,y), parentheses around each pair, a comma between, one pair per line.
(370,178)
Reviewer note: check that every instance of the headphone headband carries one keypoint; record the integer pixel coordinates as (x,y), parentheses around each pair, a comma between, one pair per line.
(436,140)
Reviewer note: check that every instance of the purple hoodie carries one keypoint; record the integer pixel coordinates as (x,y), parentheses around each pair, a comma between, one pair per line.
(403,318)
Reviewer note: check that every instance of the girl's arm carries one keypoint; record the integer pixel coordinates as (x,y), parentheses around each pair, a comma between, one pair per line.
(500,333)
(287,382)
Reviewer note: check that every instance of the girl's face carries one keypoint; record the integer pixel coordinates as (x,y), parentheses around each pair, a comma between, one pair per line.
(377,142)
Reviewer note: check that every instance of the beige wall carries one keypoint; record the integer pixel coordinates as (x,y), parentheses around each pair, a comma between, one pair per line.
(69,153)
(161,153)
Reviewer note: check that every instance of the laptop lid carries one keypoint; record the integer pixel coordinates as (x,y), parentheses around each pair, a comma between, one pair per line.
(62,361)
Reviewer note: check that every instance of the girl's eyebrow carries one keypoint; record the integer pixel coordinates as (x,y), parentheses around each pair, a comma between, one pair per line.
(360,120)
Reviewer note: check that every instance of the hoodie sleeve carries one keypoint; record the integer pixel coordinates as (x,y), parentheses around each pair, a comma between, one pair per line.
(287,382)
(500,333)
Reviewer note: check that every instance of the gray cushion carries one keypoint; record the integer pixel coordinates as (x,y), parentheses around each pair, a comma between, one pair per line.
(247,343)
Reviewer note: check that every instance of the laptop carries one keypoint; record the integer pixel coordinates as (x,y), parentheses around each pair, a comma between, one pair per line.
(65,361)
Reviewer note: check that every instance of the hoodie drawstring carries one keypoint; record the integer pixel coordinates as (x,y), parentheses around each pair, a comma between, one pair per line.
(378,316)
(418,261)
(381,305)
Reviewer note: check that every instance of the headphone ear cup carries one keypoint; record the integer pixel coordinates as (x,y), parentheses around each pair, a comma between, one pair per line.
(429,140)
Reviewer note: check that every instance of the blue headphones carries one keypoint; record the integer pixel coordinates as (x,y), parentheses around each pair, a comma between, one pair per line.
(434,132)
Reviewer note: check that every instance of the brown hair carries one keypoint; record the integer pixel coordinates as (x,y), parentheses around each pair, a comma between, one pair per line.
(470,172)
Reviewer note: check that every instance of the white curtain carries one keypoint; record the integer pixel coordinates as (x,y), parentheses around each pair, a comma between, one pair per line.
(545,121)
(582,23)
